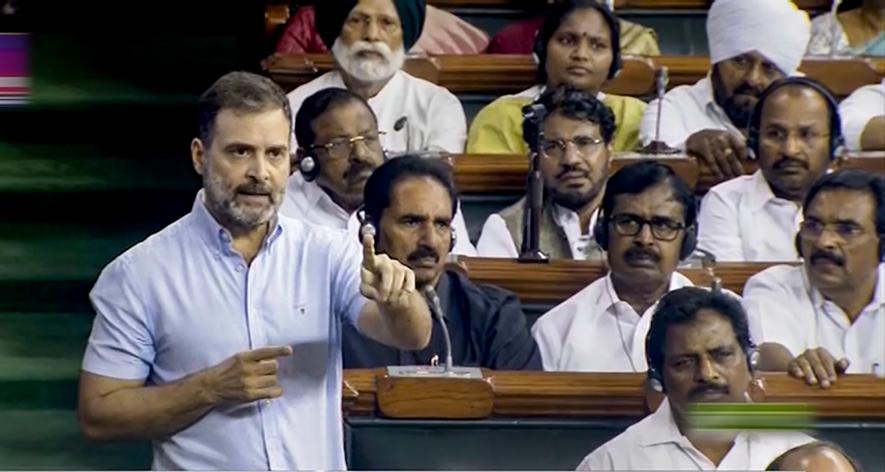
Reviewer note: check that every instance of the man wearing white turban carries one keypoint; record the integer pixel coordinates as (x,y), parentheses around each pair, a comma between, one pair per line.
(752,43)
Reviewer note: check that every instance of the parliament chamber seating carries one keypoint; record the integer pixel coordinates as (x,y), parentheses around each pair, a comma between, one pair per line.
(534,420)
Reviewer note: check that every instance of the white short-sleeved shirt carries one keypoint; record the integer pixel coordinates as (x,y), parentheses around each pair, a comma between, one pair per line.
(496,240)
(742,220)
(183,301)
(687,110)
(858,109)
(655,443)
(594,331)
(784,308)
(436,120)
(308,202)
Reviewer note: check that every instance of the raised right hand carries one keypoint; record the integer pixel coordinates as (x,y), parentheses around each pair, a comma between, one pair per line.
(247,376)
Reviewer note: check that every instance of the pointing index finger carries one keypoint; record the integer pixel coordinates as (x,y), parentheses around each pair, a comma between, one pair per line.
(368,250)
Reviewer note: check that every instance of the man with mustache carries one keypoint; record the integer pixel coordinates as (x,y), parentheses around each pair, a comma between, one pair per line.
(795,134)
(369,40)
(218,338)
(576,145)
(699,351)
(340,146)
(647,225)
(410,201)
(827,316)
(752,43)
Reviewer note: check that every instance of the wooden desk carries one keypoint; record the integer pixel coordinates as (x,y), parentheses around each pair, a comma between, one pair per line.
(575,395)
(557,280)
(505,174)
(502,74)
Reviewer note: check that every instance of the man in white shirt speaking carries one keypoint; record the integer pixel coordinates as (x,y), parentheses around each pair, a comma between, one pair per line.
(827,316)
(752,44)
(340,147)
(699,351)
(369,40)
(796,135)
(647,226)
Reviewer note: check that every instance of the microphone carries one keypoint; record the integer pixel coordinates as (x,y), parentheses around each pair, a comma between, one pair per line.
(533,119)
(403,122)
(436,309)
(661,81)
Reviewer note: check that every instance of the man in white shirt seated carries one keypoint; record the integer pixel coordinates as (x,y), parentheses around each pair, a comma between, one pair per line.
(340,147)
(795,133)
(863,118)
(647,225)
(827,316)
(574,139)
(752,44)
(699,351)
(369,40)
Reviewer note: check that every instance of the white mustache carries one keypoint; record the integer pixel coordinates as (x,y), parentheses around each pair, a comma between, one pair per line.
(365,46)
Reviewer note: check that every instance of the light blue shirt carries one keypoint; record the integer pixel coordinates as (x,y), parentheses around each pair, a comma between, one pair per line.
(183,300)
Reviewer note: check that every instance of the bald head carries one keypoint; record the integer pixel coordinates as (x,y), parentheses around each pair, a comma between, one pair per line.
(815,457)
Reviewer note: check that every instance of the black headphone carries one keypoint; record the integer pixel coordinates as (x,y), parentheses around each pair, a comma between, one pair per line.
(368,225)
(539,48)
(309,165)
(689,239)
(837,140)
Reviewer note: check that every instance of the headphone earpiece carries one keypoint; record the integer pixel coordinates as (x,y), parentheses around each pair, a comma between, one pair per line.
(837,139)
(309,167)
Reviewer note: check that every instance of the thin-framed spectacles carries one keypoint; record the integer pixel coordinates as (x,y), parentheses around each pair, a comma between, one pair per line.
(556,148)
(341,148)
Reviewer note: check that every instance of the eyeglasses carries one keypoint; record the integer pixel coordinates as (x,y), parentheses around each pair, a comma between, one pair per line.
(846,231)
(341,148)
(663,229)
(361,21)
(555,148)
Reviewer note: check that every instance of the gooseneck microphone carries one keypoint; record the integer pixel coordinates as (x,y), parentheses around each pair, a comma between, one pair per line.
(403,123)
(661,81)
(531,217)
(437,311)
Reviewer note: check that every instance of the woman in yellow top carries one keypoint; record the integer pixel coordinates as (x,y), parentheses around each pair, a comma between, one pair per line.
(578,45)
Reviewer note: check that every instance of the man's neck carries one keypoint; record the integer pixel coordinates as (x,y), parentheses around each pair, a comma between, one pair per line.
(853,299)
(639,294)
(585,214)
(248,242)
(366,90)
(349,206)
(714,445)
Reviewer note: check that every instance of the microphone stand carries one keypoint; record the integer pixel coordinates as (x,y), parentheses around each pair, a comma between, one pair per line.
(531,218)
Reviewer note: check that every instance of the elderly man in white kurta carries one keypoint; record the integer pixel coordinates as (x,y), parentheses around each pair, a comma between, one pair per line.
(752,43)
(827,316)
(863,118)
(369,40)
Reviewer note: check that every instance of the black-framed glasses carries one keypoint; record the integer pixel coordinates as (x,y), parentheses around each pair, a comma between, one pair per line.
(846,230)
(341,148)
(584,145)
(662,228)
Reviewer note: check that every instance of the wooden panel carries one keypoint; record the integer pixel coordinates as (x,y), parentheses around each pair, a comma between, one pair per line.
(610,395)
(555,281)
(505,174)
(502,74)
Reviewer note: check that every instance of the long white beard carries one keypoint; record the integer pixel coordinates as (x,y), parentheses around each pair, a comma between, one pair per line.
(369,70)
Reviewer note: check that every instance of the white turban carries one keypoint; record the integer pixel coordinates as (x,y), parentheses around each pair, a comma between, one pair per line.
(777,29)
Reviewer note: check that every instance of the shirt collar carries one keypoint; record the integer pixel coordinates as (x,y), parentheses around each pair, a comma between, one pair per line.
(314,198)
(878,301)
(759,191)
(217,236)
(566,216)
(660,428)
(610,296)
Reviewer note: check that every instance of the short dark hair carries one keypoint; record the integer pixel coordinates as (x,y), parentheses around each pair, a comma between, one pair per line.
(380,186)
(778,463)
(852,179)
(640,176)
(240,92)
(575,104)
(558,13)
(320,102)
(682,306)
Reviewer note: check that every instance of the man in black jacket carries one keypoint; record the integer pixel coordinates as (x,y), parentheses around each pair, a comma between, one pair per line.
(411,202)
